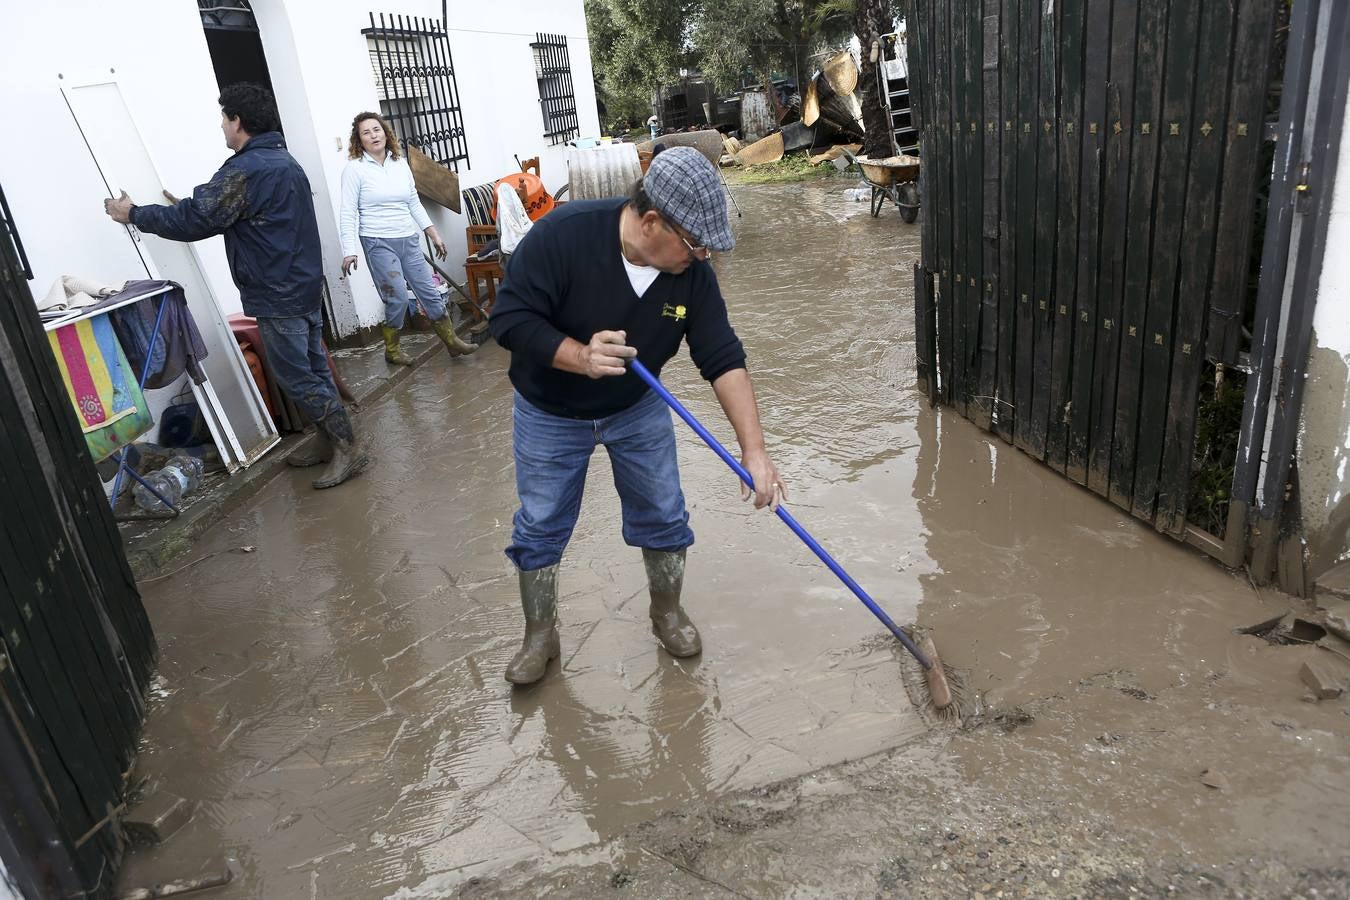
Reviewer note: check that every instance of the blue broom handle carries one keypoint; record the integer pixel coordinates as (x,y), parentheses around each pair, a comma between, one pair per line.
(655,384)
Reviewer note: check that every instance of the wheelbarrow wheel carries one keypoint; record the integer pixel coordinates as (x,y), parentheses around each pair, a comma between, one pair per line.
(909,202)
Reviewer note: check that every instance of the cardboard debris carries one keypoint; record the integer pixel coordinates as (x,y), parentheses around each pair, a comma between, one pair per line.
(766,150)
(834,153)
(433,180)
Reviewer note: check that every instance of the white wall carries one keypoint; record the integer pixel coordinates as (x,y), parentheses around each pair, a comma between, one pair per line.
(1324,444)
(54,189)
(320,69)
(159,58)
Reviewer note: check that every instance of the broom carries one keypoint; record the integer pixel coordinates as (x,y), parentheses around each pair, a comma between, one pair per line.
(940,692)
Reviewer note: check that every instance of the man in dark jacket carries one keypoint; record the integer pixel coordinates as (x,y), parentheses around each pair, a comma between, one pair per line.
(260,201)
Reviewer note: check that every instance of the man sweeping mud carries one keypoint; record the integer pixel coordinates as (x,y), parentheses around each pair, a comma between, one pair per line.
(594,284)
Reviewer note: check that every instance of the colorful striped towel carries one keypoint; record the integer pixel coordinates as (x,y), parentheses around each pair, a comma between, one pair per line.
(96,378)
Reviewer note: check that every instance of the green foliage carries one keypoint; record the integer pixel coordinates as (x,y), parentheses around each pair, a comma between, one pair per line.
(637,45)
(1218,420)
(793,167)
(729,41)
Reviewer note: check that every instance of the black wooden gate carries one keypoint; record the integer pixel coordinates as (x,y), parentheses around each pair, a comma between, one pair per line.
(1090,176)
(76,650)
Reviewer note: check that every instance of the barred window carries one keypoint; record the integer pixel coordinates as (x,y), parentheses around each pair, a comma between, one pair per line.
(415,81)
(11,232)
(557,100)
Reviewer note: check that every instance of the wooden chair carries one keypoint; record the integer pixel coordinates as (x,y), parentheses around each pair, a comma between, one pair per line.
(479,203)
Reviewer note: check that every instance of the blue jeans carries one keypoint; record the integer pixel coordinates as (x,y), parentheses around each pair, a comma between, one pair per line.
(552,454)
(296,356)
(394,261)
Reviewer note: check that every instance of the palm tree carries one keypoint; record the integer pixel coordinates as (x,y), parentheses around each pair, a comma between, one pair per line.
(870,20)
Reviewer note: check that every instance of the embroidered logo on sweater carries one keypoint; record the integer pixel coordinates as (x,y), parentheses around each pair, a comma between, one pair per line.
(673,312)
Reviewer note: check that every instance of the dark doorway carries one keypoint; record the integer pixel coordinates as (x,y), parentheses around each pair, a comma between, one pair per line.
(232,38)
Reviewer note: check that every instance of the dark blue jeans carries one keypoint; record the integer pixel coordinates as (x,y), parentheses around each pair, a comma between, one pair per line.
(552,454)
(296,356)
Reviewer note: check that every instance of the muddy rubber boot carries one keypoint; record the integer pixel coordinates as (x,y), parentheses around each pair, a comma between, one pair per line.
(319,450)
(445,330)
(539,599)
(392,354)
(665,580)
(349,457)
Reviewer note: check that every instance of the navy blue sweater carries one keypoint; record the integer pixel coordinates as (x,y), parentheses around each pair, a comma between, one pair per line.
(261,201)
(566,279)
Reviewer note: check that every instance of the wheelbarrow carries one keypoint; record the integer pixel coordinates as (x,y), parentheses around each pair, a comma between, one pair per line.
(894,179)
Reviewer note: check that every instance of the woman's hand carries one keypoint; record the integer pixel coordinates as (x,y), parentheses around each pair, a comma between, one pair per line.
(437,245)
(348,265)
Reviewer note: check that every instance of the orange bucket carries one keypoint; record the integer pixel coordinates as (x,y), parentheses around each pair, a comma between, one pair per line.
(538,201)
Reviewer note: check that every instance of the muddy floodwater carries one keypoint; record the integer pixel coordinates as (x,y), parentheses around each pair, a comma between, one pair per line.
(333,701)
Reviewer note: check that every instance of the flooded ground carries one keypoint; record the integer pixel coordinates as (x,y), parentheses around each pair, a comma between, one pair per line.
(333,701)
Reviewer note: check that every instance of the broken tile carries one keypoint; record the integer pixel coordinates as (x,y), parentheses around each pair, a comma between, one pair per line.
(158,816)
(1214,779)
(1324,684)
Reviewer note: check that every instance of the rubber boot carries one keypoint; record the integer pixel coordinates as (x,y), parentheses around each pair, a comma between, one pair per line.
(665,580)
(445,330)
(349,458)
(318,450)
(539,599)
(392,354)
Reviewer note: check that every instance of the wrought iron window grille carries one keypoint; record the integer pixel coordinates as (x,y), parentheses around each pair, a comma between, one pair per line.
(557,99)
(415,80)
(12,232)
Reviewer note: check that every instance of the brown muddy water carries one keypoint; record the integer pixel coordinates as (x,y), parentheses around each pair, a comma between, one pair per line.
(334,704)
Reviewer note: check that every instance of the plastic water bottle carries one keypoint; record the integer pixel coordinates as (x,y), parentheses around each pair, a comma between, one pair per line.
(181,475)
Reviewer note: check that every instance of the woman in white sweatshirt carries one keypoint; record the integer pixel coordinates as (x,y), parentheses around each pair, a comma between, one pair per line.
(380,207)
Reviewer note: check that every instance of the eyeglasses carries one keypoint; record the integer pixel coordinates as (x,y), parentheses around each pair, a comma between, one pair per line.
(698,253)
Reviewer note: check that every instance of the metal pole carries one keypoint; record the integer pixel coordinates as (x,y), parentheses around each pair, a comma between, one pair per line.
(145,374)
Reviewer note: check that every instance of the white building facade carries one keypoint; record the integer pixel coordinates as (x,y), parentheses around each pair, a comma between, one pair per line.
(321,62)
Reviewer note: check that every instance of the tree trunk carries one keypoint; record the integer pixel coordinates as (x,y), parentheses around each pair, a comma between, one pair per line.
(871,17)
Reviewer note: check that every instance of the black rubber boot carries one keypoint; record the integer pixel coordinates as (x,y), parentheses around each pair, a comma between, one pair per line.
(539,600)
(348,459)
(665,580)
(318,450)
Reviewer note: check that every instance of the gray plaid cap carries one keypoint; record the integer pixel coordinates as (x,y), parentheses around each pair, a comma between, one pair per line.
(685,187)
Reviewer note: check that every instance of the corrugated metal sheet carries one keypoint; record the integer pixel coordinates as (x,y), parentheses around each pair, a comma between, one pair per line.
(605,171)
(757,117)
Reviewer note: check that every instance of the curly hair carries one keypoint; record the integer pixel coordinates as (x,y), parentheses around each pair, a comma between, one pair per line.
(354,148)
(253,105)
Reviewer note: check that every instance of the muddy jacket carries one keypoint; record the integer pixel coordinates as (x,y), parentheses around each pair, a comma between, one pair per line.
(261,202)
